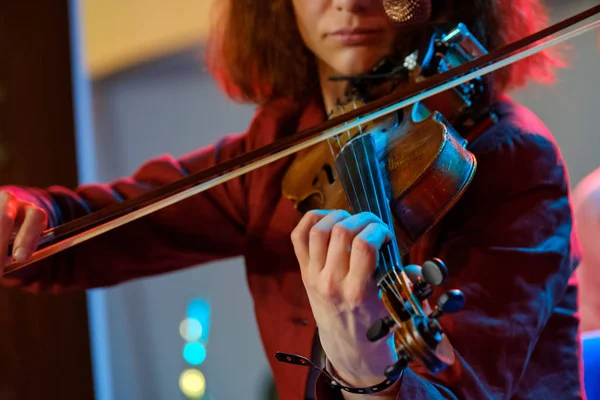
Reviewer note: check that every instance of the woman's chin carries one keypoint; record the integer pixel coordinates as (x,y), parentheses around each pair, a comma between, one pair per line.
(355,61)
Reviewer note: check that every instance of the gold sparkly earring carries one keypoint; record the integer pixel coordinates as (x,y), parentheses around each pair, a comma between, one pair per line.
(401,10)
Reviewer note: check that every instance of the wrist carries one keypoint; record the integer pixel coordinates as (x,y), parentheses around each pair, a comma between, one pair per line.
(358,363)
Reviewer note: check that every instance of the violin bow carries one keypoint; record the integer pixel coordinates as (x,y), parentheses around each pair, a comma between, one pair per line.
(64,236)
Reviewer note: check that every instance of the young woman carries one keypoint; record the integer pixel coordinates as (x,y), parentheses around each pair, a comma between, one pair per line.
(506,243)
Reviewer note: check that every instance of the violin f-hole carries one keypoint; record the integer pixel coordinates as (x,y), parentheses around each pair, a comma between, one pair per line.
(328,171)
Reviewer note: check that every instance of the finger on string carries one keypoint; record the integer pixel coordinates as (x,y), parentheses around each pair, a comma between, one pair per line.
(320,238)
(340,247)
(7,219)
(300,235)
(365,251)
(33,221)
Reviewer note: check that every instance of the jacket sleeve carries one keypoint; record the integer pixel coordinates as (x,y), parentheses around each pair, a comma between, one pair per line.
(208,226)
(507,248)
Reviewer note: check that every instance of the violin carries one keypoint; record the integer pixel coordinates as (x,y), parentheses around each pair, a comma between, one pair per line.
(409,168)
(400,156)
(420,143)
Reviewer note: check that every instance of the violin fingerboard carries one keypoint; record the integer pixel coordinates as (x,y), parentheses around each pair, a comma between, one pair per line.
(360,173)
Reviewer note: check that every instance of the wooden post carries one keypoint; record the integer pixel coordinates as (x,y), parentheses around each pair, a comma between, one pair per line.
(44,341)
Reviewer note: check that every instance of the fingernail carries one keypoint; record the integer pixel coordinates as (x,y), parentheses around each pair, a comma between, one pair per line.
(20,254)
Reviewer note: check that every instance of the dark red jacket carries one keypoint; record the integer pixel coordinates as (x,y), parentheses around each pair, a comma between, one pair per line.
(506,243)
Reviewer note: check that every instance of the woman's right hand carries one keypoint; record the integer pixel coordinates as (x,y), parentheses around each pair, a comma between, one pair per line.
(24,219)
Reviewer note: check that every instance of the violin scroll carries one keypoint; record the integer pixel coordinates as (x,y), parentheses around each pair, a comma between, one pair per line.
(418,336)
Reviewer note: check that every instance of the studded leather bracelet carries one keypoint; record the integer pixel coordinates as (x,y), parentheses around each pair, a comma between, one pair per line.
(334,383)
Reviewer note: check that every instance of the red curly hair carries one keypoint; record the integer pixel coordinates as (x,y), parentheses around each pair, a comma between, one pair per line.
(256,53)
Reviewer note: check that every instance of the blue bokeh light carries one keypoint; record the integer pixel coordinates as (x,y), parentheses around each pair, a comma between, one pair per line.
(194,353)
(199,309)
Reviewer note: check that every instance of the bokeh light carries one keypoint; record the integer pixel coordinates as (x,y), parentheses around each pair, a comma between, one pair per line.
(194,353)
(192,383)
(190,329)
(199,309)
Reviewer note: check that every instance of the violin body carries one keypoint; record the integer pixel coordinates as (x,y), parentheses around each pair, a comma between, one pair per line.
(426,170)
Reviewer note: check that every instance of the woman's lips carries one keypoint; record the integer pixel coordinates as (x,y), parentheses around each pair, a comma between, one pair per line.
(356,36)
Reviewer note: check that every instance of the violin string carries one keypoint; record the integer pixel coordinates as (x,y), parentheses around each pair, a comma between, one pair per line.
(387,282)
(393,272)
(355,192)
(388,279)
(364,189)
(389,268)
(363,183)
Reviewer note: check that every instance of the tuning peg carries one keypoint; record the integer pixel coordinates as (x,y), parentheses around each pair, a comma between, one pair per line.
(421,289)
(380,329)
(394,370)
(448,303)
(434,271)
(452,301)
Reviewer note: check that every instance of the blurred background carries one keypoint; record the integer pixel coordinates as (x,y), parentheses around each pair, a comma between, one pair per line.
(91,89)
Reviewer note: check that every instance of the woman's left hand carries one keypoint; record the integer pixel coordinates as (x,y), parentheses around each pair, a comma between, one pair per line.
(338,254)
